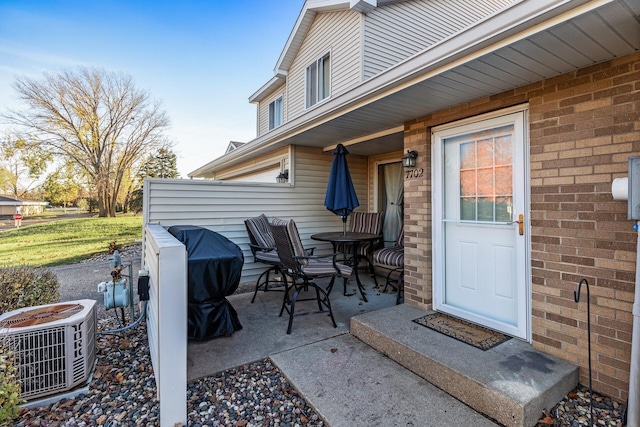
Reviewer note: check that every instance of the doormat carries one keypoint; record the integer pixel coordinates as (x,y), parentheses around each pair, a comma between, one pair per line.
(467,332)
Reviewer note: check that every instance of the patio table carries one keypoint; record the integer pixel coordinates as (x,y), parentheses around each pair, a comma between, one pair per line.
(354,239)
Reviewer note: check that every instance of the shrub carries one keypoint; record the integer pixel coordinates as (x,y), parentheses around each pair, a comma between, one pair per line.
(20,287)
(23,286)
(9,388)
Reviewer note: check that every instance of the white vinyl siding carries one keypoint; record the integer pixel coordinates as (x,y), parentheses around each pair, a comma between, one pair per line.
(312,167)
(263,110)
(263,175)
(397,31)
(223,206)
(334,32)
(264,168)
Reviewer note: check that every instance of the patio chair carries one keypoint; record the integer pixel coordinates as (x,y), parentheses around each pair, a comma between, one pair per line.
(263,249)
(304,269)
(391,259)
(364,222)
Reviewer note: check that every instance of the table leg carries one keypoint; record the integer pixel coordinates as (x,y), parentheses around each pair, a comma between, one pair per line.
(355,268)
(344,261)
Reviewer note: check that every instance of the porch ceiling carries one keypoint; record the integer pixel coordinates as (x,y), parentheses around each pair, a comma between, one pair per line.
(502,53)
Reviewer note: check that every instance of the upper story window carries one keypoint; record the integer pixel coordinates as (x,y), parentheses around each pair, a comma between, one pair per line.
(275,113)
(319,80)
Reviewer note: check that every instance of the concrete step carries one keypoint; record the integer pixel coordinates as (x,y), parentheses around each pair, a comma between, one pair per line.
(350,384)
(510,383)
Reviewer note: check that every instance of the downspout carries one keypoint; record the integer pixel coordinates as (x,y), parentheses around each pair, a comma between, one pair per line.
(633,408)
(621,189)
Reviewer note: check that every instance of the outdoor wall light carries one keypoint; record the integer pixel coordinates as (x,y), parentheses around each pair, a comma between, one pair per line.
(409,159)
(283,177)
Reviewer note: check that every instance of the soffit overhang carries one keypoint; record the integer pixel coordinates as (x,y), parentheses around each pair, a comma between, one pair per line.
(268,88)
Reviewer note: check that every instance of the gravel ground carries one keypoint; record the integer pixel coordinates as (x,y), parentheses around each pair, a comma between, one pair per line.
(573,411)
(123,391)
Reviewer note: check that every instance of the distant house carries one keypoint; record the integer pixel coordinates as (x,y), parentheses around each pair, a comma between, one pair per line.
(521,115)
(11,205)
(233,145)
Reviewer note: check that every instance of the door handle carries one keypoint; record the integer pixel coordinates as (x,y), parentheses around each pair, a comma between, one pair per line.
(520,223)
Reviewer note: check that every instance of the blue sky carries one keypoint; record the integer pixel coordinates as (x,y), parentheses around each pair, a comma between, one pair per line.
(200,59)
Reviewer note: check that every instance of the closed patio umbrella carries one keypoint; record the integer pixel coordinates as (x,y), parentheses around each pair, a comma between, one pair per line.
(341,198)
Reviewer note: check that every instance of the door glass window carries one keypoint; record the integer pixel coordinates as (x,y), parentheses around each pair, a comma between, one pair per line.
(485,162)
(390,199)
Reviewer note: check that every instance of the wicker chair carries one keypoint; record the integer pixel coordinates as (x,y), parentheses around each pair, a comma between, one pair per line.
(391,259)
(364,222)
(303,269)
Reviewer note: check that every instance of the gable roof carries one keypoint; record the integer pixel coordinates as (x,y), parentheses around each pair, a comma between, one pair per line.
(524,43)
(306,17)
(300,29)
(233,145)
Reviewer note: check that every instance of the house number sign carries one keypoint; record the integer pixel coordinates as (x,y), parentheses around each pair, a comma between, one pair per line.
(414,173)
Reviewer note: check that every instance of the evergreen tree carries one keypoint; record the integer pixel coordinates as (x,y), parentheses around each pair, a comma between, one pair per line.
(161,164)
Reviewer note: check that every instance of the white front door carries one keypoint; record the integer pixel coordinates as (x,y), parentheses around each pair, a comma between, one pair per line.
(480,222)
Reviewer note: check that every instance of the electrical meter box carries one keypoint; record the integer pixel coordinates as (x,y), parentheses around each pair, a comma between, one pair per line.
(634,188)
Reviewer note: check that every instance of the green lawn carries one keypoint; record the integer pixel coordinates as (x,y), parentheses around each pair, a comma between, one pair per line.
(66,241)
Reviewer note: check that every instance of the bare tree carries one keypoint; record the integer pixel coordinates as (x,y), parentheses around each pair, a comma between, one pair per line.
(96,119)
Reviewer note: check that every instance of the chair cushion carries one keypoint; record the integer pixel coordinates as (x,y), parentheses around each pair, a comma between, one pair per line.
(294,236)
(362,222)
(259,228)
(392,256)
(366,222)
(279,221)
(317,267)
(270,257)
(400,239)
(363,248)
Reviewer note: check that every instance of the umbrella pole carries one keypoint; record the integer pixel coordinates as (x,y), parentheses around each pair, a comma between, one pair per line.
(344,225)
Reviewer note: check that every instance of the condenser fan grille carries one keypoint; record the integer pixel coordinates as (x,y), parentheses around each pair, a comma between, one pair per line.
(41,315)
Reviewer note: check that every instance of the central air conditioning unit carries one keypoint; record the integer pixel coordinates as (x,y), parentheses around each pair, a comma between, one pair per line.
(54,345)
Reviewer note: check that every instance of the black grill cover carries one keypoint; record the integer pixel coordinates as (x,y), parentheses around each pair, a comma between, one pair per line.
(214,266)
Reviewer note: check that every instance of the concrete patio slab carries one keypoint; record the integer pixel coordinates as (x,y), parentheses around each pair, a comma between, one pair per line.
(264,332)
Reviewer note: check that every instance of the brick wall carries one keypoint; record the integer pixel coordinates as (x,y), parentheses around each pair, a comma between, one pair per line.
(583,127)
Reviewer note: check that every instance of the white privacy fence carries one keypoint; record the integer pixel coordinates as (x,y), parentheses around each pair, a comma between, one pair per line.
(221,207)
(166,260)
